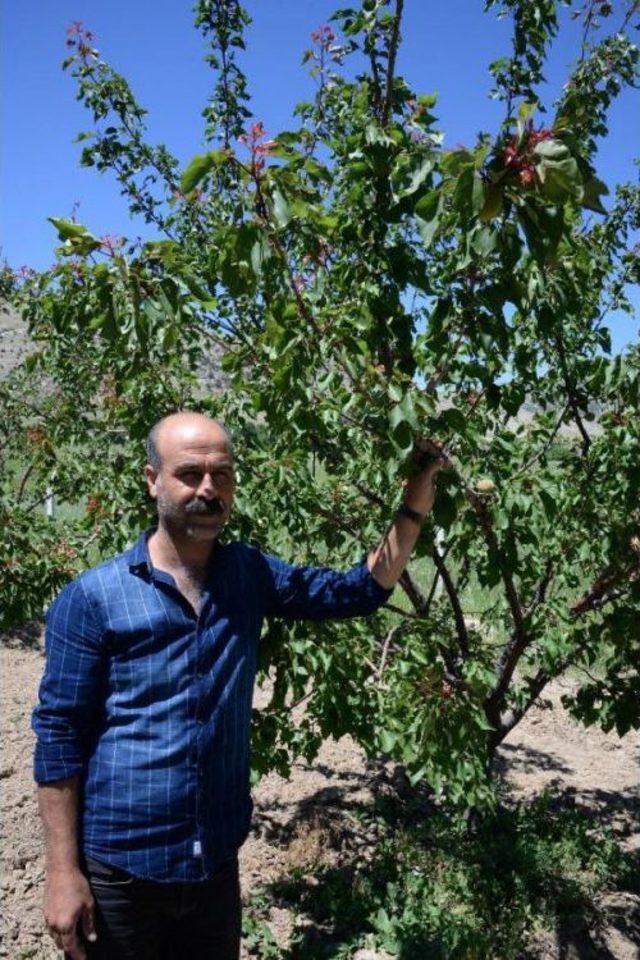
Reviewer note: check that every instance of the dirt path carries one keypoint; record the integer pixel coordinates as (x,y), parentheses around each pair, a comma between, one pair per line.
(290,826)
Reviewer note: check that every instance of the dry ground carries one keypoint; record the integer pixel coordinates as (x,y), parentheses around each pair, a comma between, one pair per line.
(296,821)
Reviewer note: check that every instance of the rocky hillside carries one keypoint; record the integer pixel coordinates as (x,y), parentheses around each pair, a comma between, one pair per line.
(15,345)
(14,340)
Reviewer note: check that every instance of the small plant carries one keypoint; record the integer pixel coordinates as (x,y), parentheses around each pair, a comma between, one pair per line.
(258,938)
(434,888)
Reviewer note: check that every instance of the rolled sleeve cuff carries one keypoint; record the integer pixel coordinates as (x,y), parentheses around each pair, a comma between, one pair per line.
(54,762)
(372,592)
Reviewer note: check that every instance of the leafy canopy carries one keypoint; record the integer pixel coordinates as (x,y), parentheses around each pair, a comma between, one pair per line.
(363,286)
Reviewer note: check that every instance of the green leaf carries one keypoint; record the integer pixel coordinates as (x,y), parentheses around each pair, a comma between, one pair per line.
(404,412)
(260,253)
(77,241)
(402,437)
(281,210)
(409,174)
(485,241)
(453,161)
(68,230)
(493,200)
(551,150)
(543,227)
(317,171)
(200,166)
(427,211)
(387,740)
(560,179)
(525,112)
(592,190)
(468,197)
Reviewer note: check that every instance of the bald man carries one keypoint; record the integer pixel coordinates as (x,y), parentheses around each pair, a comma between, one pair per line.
(142,752)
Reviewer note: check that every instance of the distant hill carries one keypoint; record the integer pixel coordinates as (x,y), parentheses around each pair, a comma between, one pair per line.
(15,345)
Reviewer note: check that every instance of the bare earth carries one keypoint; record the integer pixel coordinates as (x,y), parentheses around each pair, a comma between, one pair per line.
(306,821)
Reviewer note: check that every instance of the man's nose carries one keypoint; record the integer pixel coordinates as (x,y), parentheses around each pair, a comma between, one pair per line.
(207,488)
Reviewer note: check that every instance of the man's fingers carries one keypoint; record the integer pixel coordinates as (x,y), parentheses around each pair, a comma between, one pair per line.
(71,945)
(57,939)
(426,445)
(89,924)
(430,455)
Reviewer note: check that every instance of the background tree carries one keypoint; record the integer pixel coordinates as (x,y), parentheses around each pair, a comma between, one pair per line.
(367,288)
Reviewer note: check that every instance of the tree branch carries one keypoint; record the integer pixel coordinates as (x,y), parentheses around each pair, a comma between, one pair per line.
(571,394)
(440,372)
(480,506)
(513,717)
(23,482)
(413,591)
(545,446)
(540,593)
(388,640)
(604,590)
(600,594)
(391,62)
(461,627)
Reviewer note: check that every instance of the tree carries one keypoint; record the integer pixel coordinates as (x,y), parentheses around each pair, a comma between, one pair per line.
(367,288)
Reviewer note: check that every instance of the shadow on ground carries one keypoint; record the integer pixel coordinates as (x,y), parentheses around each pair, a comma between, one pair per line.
(527,758)
(26,637)
(613,933)
(446,893)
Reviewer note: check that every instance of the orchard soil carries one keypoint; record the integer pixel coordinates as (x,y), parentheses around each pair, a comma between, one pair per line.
(303,822)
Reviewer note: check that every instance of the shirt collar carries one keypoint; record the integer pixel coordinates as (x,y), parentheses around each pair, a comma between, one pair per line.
(139,559)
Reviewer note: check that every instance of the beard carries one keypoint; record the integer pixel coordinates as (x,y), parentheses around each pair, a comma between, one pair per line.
(184,520)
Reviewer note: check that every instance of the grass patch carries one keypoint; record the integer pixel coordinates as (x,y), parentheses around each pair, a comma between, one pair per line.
(433,888)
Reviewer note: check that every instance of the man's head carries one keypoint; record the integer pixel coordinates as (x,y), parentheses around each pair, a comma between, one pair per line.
(190,474)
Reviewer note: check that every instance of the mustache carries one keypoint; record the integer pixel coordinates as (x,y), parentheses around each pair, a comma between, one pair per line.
(205,507)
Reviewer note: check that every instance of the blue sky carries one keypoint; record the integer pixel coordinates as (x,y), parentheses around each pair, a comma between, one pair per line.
(447,48)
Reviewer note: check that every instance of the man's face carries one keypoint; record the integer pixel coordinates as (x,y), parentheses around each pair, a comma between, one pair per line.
(195,484)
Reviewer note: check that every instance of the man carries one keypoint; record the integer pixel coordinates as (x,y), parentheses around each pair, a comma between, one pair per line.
(142,754)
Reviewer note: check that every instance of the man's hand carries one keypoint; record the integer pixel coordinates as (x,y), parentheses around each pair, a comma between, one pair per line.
(67,901)
(428,459)
(387,562)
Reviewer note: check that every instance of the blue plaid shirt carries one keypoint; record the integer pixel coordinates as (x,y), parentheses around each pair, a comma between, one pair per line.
(151,704)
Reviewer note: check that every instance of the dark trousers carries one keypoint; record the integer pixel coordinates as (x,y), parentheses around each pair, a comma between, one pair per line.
(145,920)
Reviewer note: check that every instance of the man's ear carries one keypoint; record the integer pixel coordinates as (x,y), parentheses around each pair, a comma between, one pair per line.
(152,477)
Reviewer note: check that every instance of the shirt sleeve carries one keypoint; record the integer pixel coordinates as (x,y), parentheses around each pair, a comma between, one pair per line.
(69,696)
(320,593)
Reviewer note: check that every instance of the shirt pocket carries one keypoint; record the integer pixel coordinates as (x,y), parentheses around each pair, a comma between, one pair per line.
(106,875)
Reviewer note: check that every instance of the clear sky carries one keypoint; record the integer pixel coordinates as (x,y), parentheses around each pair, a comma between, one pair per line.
(446,48)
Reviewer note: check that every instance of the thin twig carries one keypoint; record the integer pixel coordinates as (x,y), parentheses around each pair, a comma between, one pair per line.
(391,62)
(23,482)
(388,640)
(461,627)
(633,8)
(540,592)
(440,372)
(545,447)
(301,700)
(573,401)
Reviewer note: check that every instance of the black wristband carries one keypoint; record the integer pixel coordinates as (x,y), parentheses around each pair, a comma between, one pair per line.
(405,511)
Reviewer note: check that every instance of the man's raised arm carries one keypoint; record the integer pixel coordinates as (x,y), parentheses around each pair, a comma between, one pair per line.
(322,593)
(387,562)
